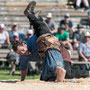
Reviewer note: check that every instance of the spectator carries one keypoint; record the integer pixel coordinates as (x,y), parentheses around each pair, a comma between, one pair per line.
(68,24)
(63,36)
(51,24)
(13,57)
(4,37)
(15,29)
(85,2)
(84,47)
(77,36)
(29,33)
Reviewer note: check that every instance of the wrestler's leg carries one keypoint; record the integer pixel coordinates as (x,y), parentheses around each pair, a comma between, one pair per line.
(39,26)
(60,74)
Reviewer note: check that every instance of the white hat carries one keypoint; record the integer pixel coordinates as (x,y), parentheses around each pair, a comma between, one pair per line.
(2,26)
(30,31)
(49,15)
(67,15)
(87,34)
(15,34)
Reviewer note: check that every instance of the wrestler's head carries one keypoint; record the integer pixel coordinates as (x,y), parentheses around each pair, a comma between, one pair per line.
(20,48)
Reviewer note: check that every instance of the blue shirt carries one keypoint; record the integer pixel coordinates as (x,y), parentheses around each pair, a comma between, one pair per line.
(70,24)
(85,49)
(32,44)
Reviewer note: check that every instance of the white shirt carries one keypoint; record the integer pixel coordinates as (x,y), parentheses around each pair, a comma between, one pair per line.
(3,37)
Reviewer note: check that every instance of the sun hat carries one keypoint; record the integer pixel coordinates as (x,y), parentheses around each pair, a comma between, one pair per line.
(86,34)
(49,15)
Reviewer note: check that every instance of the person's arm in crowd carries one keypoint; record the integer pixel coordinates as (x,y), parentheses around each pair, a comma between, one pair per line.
(65,42)
(83,56)
(69,44)
(53,31)
(71,26)
(8,40)
(23,74)
(67,39)
(80,49)
(75,41)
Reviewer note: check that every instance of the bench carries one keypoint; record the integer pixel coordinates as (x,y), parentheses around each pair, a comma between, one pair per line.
(40,4)
(75,58)
(3,54)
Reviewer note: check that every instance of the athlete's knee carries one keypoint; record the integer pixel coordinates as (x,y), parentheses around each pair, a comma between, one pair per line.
(60,70)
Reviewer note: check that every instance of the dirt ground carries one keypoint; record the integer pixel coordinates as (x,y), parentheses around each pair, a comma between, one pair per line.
(82,84)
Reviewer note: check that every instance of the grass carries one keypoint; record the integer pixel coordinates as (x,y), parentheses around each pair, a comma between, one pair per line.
(4,74)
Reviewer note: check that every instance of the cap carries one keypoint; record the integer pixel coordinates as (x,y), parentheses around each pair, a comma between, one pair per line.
(87,34)
(67,15)
(15,34)
(2,26)
(30,31)
(62,27)
(79,26)
(49,15)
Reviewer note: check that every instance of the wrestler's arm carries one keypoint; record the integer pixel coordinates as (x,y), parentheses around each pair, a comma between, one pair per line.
(23,74)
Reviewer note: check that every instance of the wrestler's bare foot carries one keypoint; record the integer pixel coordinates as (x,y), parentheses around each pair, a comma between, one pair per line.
(60,74)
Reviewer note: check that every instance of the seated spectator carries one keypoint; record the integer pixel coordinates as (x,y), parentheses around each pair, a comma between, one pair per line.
(15,29)
(85,2)
(84,47)
(51,24)
(13,57)
(77,36)
(4,37)
(68,24)
(63,36)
